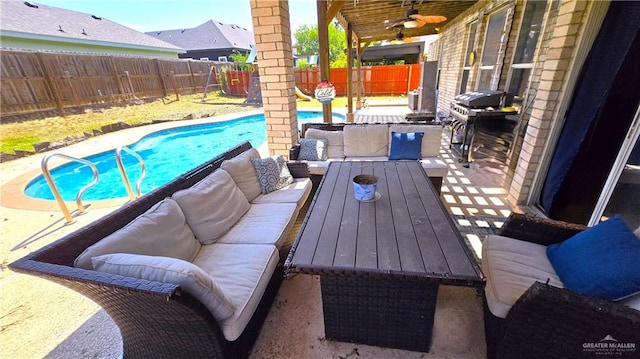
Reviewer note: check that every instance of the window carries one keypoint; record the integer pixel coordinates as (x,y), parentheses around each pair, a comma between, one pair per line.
(470,57)
(493,39)
(526,47)
(222,59)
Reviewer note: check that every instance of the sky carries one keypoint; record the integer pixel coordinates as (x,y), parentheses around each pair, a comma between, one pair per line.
(151,15)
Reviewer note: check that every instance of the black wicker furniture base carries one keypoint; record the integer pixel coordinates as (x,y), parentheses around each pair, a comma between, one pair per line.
(156,319)
(380,263)
(378,311)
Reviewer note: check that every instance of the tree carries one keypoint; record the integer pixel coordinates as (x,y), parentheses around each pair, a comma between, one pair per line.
(237,56)
(306,39)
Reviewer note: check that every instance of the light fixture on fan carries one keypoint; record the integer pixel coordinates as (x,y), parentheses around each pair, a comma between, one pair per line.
(411,24)
(414,20)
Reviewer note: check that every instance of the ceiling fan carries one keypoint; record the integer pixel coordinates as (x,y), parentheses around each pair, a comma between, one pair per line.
(413,19)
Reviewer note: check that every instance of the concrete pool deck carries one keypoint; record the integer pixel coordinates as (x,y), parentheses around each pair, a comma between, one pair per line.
(41,319)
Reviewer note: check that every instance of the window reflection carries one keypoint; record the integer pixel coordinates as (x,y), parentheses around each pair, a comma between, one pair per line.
(625,200)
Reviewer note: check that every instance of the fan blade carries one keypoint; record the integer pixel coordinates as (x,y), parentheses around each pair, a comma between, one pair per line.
(428,19)
(394,24)
(402,19)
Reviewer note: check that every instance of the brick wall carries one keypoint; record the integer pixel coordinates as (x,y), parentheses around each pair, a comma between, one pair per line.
(563,26)
(271,28)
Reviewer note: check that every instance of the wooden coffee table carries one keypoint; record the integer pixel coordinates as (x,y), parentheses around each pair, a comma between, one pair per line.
(380,263)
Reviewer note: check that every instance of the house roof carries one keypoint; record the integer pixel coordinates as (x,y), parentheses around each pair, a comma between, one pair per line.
(34,21)
(210,35)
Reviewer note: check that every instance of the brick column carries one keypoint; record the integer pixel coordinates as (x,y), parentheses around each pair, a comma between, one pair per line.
(272,33)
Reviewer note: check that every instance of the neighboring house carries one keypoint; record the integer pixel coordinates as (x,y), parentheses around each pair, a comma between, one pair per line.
(31,26)
(212,40)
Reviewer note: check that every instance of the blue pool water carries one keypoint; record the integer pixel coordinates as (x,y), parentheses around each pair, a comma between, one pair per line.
(167,154)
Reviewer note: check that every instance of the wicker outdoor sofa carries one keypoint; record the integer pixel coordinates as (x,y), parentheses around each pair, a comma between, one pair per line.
(547,321)
(160,319)
(371,142)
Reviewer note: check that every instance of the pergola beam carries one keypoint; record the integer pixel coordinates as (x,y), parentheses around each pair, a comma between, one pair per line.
(323,52)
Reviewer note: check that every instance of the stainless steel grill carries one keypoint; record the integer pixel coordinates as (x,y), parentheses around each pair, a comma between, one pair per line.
(466,109)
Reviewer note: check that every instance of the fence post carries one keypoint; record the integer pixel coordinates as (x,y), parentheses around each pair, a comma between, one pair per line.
(52,86)
(193,80)
(133,91)
(409,79)
(67,75)
(175,85)
(116,75)
(164,87)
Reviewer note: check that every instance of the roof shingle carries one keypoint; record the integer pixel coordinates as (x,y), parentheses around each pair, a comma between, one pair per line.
(210,35)
(59,24)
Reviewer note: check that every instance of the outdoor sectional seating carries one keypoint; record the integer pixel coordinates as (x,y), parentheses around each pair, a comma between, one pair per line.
(190,269)
(372,142)
(528,311)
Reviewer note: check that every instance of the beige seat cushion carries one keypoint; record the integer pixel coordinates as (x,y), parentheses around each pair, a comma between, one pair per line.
(434,167)
(297,193)
(511,267)
(243,173)
(430,141)
(320,167)
(267,223)
(366,158)
(366,140)
(212,206)
(335,145)
(242,271)
(160,231)
(170,270)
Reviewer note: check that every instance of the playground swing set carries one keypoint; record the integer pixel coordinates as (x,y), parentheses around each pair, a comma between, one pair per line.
(230,79)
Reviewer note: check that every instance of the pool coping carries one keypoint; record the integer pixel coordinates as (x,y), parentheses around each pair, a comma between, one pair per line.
(12,190)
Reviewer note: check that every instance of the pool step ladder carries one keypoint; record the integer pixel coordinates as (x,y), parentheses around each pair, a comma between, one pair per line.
(123,171)
(54,188)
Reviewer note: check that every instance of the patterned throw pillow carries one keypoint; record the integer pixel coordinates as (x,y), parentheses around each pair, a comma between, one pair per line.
(272,173)
(313,149)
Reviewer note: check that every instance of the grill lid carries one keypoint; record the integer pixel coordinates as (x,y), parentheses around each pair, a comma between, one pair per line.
(480,99)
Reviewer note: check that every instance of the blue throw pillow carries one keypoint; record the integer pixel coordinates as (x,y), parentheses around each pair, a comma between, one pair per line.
(601,261)
(406,145)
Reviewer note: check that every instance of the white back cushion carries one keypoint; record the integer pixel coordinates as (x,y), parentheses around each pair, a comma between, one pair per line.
(243,173)
(161,231)
(335,144)
(212,206)
(169,270)
(366,140)
(430,141)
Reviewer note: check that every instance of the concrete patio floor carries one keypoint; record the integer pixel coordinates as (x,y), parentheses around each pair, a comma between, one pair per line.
(44,320)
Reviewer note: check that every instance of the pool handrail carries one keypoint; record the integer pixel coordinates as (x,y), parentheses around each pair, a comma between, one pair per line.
(54,188)
(123,172)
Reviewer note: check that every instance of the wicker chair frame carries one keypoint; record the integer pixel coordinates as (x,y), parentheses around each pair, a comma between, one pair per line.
(550,322)
(156,320)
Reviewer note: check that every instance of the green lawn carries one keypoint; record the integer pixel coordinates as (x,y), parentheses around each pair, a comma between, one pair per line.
(23,135)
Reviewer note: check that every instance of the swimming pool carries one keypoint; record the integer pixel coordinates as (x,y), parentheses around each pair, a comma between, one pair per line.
(167,154)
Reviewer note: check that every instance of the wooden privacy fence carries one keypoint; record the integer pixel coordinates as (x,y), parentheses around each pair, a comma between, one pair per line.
(376,80)
(35,82)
